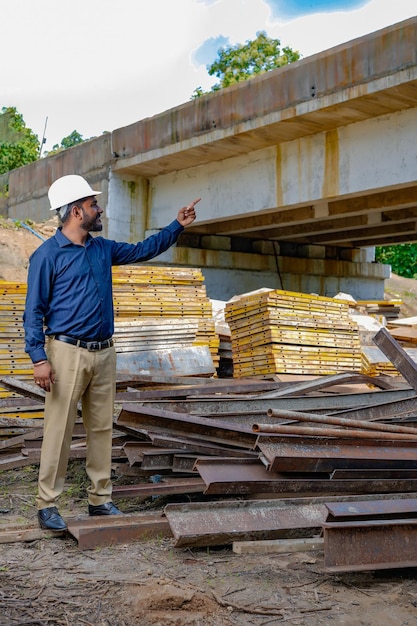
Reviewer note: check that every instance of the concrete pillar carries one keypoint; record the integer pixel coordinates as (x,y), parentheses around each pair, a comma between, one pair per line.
(127,211)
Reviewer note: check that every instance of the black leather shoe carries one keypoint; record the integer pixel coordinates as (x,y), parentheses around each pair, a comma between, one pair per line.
(50,519)
(104,509)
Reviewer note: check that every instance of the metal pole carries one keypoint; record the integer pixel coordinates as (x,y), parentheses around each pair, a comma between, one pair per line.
(341,421)
(330,432)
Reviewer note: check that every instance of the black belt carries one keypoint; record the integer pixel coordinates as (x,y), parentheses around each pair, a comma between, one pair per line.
(92,346)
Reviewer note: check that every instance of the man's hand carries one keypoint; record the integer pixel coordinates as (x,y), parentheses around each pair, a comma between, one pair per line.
(186,215)
(43,375)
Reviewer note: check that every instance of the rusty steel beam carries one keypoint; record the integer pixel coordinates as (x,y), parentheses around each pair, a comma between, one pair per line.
(378,534)
(189,444)
(30,390)
(383,410)
(316,456)
(15,460)
(249,479)
(145,418)
(134,451)
(21,439)
(322,382)
(186,462)
(112,530)
(156,458)
(229,386)
(12,405)
(375,509)
(220,523)
(21,422)
(224,407)
(167,486)
(375,474)
(397,355)
(370,545)
(139,380)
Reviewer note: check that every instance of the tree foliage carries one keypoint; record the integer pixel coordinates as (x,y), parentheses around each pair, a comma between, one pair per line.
(402,258)
(18,144)
(73,139)
(235,64)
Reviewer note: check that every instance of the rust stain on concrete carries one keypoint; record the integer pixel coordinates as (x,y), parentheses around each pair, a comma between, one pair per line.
(331,164)
(278,176)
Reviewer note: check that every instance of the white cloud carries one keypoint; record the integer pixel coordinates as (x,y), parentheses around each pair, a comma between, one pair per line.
(320,31)
(96,65)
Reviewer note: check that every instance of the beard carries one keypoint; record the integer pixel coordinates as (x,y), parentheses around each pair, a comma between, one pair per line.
(91,224)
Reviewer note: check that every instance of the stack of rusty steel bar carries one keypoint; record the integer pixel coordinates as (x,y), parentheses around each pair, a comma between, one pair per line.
(327,454)
(263,442)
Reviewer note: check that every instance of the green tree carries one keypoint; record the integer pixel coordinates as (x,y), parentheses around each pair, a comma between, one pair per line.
(235,64)
(402,258)
(18,144)
(73,139)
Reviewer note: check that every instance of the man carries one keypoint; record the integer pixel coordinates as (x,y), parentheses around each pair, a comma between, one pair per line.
(69,323)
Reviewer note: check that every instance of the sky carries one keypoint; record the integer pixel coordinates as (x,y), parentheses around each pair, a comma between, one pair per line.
(97,65)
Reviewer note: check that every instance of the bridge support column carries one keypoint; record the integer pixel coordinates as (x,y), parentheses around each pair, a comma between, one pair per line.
(127,210)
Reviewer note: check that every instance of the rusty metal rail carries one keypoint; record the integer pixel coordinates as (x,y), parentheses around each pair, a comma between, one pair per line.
(246,479)
(112,530)
(167,486)
(141,419)
(219,523)
(281,455)
(395,409)
(223,406)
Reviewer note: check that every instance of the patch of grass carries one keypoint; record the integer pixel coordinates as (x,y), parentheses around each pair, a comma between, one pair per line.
(9,224)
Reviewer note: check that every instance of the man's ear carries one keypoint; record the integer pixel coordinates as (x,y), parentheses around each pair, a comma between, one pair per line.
(76,210)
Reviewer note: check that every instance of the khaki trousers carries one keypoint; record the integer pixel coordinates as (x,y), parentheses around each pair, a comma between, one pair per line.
(89,377)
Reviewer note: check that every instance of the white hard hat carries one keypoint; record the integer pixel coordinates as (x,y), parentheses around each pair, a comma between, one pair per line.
(69,189)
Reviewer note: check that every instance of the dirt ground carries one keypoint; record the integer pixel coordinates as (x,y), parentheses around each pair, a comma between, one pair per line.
(50,581)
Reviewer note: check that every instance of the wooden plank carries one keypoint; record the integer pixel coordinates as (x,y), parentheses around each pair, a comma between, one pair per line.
(278,546)
(26,533)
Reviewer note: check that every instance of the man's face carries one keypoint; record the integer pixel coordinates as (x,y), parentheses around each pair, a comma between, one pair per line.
(92,215)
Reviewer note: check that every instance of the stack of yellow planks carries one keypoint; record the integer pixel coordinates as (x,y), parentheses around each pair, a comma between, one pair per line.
(162,307)
(381,309)
(13,359)
(288,332)
(154,307)
(375,363)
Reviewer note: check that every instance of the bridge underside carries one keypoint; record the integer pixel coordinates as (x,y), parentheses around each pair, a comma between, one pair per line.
(369,211)
(383,218)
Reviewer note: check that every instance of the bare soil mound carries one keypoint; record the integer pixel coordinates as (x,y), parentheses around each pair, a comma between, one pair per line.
(17,243)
